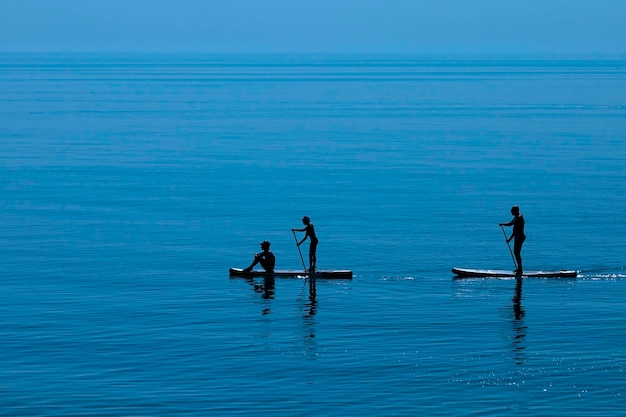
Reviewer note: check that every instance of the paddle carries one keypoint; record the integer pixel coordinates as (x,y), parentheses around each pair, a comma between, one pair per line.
(299,251)
(506,239)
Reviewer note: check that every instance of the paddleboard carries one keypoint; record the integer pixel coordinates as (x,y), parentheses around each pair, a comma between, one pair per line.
(322,273)
(497,273)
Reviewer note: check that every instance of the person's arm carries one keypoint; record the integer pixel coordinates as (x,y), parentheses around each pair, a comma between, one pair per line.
(300,230)
(509,223)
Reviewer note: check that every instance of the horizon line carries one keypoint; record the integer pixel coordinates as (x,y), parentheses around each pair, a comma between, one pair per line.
(318,53)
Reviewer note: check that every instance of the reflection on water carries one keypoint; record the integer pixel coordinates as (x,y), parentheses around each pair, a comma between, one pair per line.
(309,321)
(519,327)
(311,306)
(266,289)
(306,301)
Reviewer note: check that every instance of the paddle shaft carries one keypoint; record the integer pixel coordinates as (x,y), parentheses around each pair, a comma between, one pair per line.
(506,239)
(299,251)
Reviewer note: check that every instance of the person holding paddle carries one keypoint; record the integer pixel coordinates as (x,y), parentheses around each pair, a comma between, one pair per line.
(309,233)
(265,258)
(518,235)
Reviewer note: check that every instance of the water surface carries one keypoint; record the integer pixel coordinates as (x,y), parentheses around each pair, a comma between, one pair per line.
(131,183)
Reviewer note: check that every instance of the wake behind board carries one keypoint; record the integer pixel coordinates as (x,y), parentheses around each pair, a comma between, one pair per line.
(322,273)
(499,273)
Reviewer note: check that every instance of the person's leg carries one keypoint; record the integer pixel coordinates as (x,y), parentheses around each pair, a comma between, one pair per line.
(312,256)
(517,250)
(256,261)
(266,265)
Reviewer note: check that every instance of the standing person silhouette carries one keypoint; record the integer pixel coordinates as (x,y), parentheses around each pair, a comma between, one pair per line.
(518,235)
(309,233)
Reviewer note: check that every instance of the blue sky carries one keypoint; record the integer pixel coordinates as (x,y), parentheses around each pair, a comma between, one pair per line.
(353,26)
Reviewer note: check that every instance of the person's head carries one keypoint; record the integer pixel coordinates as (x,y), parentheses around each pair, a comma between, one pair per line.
(265,245)
(306,220)
(515,210)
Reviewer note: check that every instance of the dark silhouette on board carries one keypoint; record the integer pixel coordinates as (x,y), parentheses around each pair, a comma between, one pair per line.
(265,258)
(518,235)
(309,231)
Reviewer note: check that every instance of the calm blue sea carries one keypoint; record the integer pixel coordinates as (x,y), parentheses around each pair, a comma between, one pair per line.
(131,183)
